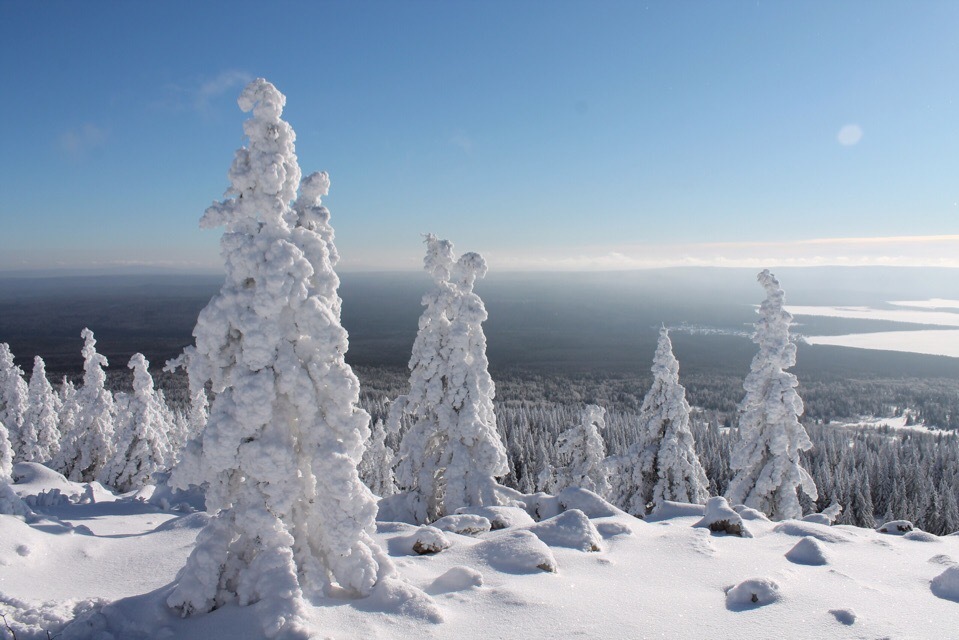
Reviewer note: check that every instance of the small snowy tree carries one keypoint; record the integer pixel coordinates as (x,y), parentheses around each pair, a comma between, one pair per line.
(10,502)
(87,447)
(766,460)
(452,453)
(143,445)
(663,465)
(583,453)
(40,432)
(376,468)
(279,453)
(13,396)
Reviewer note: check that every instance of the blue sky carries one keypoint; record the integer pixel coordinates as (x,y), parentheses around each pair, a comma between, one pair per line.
(543,134)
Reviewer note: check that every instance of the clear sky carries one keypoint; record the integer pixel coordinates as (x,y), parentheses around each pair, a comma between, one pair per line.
(545,135)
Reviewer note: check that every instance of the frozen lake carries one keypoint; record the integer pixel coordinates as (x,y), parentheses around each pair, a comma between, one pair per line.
(934,312)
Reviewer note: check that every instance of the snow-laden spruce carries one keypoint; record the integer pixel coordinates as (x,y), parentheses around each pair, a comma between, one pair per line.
(766,459)
(40,432)
(452,454)
(279,453)
(583,454)
(662,465)
(142,434)
(376,467)
(13,396)
(88,445)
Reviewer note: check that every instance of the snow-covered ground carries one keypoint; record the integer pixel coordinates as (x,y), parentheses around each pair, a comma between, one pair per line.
(897,423)
(657,579)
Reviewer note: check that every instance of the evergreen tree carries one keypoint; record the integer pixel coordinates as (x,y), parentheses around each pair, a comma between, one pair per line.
(279,453)
(663,464)
(766,461)
(13,396)
(88,446)
(142,434)
(452,453)
(376,468)
(40,432)
(584,453)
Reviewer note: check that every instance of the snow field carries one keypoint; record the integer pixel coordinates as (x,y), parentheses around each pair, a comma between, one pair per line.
(648,580)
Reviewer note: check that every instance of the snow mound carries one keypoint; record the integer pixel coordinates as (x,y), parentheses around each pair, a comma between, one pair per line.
(588,502)
(193,521)
(391,595)
(748,594)
(942,559)
(669,510)
(10,502)
(748,513)
(827,516)
(946,584)
(569,529)
(808,551)
(845,616)
(499,517)
(170,499)
(720,518)
(517,552)
(612,529)
(458,578)
(921,536)
(33,478)
(809,529)
(896,527)
(423,541)
(464,524)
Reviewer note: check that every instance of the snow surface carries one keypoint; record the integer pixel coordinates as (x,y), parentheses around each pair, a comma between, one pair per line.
(666,579)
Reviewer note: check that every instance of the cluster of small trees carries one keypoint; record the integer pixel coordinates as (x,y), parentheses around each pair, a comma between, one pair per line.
(89,433)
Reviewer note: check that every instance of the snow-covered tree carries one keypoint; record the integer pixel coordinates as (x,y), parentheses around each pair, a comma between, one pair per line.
(13,396)
(279,453)
(199,412)
(663,465)
(10,502)
(142,440)
(766,460)
(452,453)
(88,446)
(583,453)
(40,432)
(376,468)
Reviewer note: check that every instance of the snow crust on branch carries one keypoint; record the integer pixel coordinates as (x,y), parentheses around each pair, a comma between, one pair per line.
(280,450)
(766,460)
(452,453)
(662,465)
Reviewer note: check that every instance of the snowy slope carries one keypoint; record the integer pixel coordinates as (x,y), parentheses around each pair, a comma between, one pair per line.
(653,579)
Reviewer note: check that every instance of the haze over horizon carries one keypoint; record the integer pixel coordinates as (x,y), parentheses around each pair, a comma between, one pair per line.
(559,136)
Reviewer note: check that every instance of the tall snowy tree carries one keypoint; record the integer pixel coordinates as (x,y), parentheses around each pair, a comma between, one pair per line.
(766,460)
(663,465)
(10,502)
(452,453)
(87,447)
(40,432)
(583,453)
(279,452)
(13,396)
(142,434)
